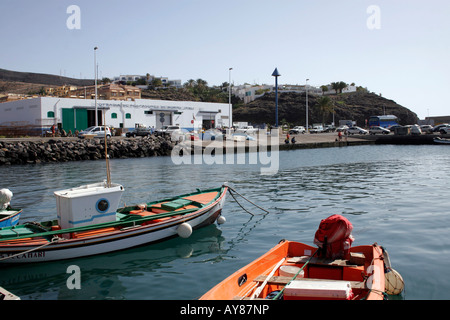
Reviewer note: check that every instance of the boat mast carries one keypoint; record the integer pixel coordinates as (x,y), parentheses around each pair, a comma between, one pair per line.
(108,171)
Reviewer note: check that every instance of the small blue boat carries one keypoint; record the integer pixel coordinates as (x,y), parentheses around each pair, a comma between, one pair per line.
(9,217)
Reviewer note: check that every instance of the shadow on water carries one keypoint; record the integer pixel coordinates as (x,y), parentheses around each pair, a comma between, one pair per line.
(105,276)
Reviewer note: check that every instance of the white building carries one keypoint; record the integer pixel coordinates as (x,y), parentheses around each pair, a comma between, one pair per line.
(41,113)
(148,78)
(347,89)
(248,92)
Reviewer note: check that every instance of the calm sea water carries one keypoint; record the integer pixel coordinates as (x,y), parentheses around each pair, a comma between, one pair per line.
(397,196)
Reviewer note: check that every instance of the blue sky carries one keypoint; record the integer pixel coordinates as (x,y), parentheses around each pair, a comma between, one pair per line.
(406,59)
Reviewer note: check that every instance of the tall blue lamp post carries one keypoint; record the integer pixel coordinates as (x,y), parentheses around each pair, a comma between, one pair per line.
(276,74)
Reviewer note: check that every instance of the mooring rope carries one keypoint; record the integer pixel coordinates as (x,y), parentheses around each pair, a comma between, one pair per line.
(231,190)
(54,240)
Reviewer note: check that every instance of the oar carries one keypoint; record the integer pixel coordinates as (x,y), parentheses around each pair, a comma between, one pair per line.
(261,287)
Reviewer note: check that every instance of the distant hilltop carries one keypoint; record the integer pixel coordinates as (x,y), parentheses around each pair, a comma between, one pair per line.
(42,79)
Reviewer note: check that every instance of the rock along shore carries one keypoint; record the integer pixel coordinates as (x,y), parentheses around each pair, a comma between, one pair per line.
(28,151)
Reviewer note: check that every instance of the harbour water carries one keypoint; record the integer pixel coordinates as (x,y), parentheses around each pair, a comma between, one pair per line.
(397,196)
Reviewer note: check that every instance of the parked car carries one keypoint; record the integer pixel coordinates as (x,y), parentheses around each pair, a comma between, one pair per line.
(167,130)
(330,128)
(356,130)
(375,130)
(141,131)
(316,129)
(212,134)
(96,132)
(297,129)
(342,128)
(426,128)
(247,130)
(392,128)
(161,131)
(445,130)
(439,126)
(241,137)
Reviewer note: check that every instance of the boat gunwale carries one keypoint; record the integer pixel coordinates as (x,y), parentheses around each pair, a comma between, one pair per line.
(13,212)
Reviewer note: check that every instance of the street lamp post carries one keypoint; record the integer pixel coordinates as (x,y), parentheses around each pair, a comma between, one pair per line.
(229,98)
(306,87)
(95,71)
(276,74)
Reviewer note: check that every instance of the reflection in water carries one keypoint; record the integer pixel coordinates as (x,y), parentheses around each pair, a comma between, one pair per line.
(106,276)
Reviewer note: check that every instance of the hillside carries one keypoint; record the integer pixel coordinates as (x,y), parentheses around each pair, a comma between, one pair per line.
(169,94)
(13,78)
(357,106)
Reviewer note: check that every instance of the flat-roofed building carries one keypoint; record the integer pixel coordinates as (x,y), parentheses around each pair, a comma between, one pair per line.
(39,114)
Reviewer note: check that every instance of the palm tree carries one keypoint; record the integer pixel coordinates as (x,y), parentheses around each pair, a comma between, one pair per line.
(202,83)
(325,106)
(338,86)
(335,86)
(342,85)
(190,83)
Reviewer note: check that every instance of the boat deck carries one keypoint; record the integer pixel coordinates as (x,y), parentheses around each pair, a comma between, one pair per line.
(291,271)
(318,270)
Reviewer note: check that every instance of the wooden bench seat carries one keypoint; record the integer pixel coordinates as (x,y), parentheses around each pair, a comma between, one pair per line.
(356,259)
(280,280)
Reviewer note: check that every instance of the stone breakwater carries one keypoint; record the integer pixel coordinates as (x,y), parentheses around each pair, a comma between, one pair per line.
(55,150)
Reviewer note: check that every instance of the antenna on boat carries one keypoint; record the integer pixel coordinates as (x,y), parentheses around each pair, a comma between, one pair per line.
(108,171)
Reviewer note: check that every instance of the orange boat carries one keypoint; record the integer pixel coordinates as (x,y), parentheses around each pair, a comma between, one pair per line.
(332,271)
(291,271)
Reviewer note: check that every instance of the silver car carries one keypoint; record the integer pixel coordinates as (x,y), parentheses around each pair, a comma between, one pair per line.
(356,130)
(375,130)
(96,132)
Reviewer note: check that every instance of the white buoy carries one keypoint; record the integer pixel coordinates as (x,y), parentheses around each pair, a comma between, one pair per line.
(184,230)
(394,283)
(221,220)
(5,198)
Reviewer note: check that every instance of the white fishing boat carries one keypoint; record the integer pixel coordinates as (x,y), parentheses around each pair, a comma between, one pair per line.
(89,222)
